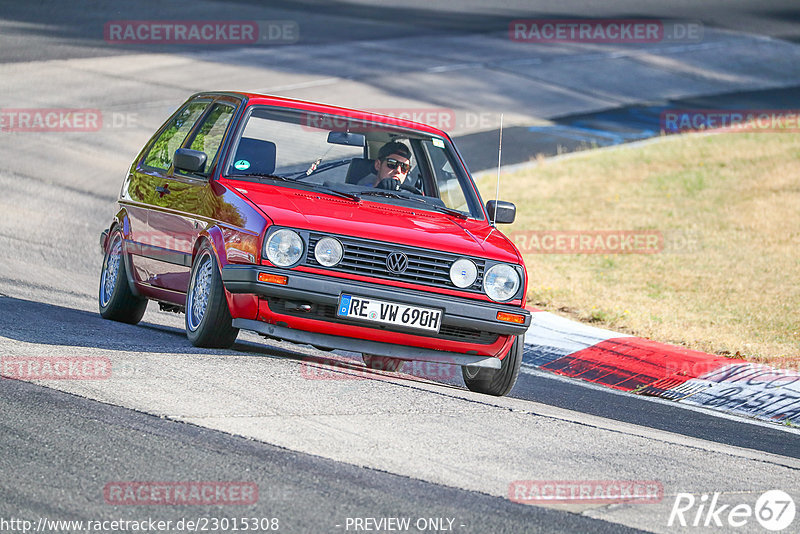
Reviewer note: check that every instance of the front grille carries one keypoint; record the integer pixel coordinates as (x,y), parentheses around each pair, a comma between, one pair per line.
(328,313)
(368,258)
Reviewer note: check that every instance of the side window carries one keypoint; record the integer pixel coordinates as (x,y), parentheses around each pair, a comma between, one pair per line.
(171,139)
(450,188)
(209,137)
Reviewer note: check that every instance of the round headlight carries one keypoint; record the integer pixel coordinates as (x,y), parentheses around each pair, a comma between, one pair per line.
(501,282)
(463,273)
(284,248)
(328,251)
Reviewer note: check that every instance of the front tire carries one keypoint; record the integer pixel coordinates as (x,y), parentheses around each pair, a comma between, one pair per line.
(115,298)
(208,319)
(497,382)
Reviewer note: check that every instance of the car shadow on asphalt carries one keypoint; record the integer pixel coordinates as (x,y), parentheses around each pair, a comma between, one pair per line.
(49,324)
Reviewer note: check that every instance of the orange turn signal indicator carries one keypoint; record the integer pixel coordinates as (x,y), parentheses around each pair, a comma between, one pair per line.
(511,317)
(273,278)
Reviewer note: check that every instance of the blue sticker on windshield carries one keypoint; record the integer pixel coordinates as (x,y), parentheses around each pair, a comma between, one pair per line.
(242,165)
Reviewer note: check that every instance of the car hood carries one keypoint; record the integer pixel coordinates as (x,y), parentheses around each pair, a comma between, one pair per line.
(317,211)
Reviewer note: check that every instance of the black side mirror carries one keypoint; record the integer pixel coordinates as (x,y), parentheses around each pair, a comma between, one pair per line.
(189,160)
(501,212)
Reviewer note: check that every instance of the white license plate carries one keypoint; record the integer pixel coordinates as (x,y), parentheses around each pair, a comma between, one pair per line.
(393,313)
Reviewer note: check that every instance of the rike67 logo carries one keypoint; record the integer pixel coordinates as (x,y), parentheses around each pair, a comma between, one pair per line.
(774,510)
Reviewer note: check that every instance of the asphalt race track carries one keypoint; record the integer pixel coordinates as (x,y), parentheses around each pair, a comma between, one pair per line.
(329,445)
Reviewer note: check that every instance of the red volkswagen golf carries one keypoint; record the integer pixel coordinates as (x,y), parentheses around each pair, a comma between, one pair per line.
(319,225)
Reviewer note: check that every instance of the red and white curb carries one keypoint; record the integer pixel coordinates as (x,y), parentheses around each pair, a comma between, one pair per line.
(645,367)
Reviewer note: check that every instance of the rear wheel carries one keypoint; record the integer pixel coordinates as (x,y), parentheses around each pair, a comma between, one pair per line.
(116,300)
(382,363)
(496,382)
(208,319)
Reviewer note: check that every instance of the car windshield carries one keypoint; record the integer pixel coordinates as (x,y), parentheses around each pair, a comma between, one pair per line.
(344,156)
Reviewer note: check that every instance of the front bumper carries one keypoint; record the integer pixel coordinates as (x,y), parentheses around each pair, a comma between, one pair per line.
(324,290)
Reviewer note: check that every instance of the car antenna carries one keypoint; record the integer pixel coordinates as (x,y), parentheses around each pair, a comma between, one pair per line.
(499,157)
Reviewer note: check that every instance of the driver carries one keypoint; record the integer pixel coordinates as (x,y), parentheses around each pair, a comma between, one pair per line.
(391,167)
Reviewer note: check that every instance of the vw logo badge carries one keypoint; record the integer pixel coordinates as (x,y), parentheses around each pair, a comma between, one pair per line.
(397,262)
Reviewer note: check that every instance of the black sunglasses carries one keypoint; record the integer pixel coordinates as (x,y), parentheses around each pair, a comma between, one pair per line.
(393,164)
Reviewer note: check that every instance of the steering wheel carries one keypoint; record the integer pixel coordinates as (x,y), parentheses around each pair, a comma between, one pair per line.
(390,184)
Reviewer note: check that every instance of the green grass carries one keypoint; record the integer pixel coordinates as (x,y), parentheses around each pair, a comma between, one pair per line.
(727,279)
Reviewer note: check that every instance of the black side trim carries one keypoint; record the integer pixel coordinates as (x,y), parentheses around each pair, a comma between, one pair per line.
(158,253)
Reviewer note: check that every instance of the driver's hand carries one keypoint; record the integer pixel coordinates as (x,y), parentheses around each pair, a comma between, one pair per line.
(389,184)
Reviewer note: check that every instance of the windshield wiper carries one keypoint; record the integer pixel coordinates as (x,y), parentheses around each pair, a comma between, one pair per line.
(444,209)
(264,175)
(383,193)
(349,196)
(336,192)
(437,207)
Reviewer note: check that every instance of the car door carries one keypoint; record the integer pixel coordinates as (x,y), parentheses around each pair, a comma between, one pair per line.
(184,203)
(144,190)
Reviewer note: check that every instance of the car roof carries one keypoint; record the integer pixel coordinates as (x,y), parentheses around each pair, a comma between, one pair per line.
(318,107)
